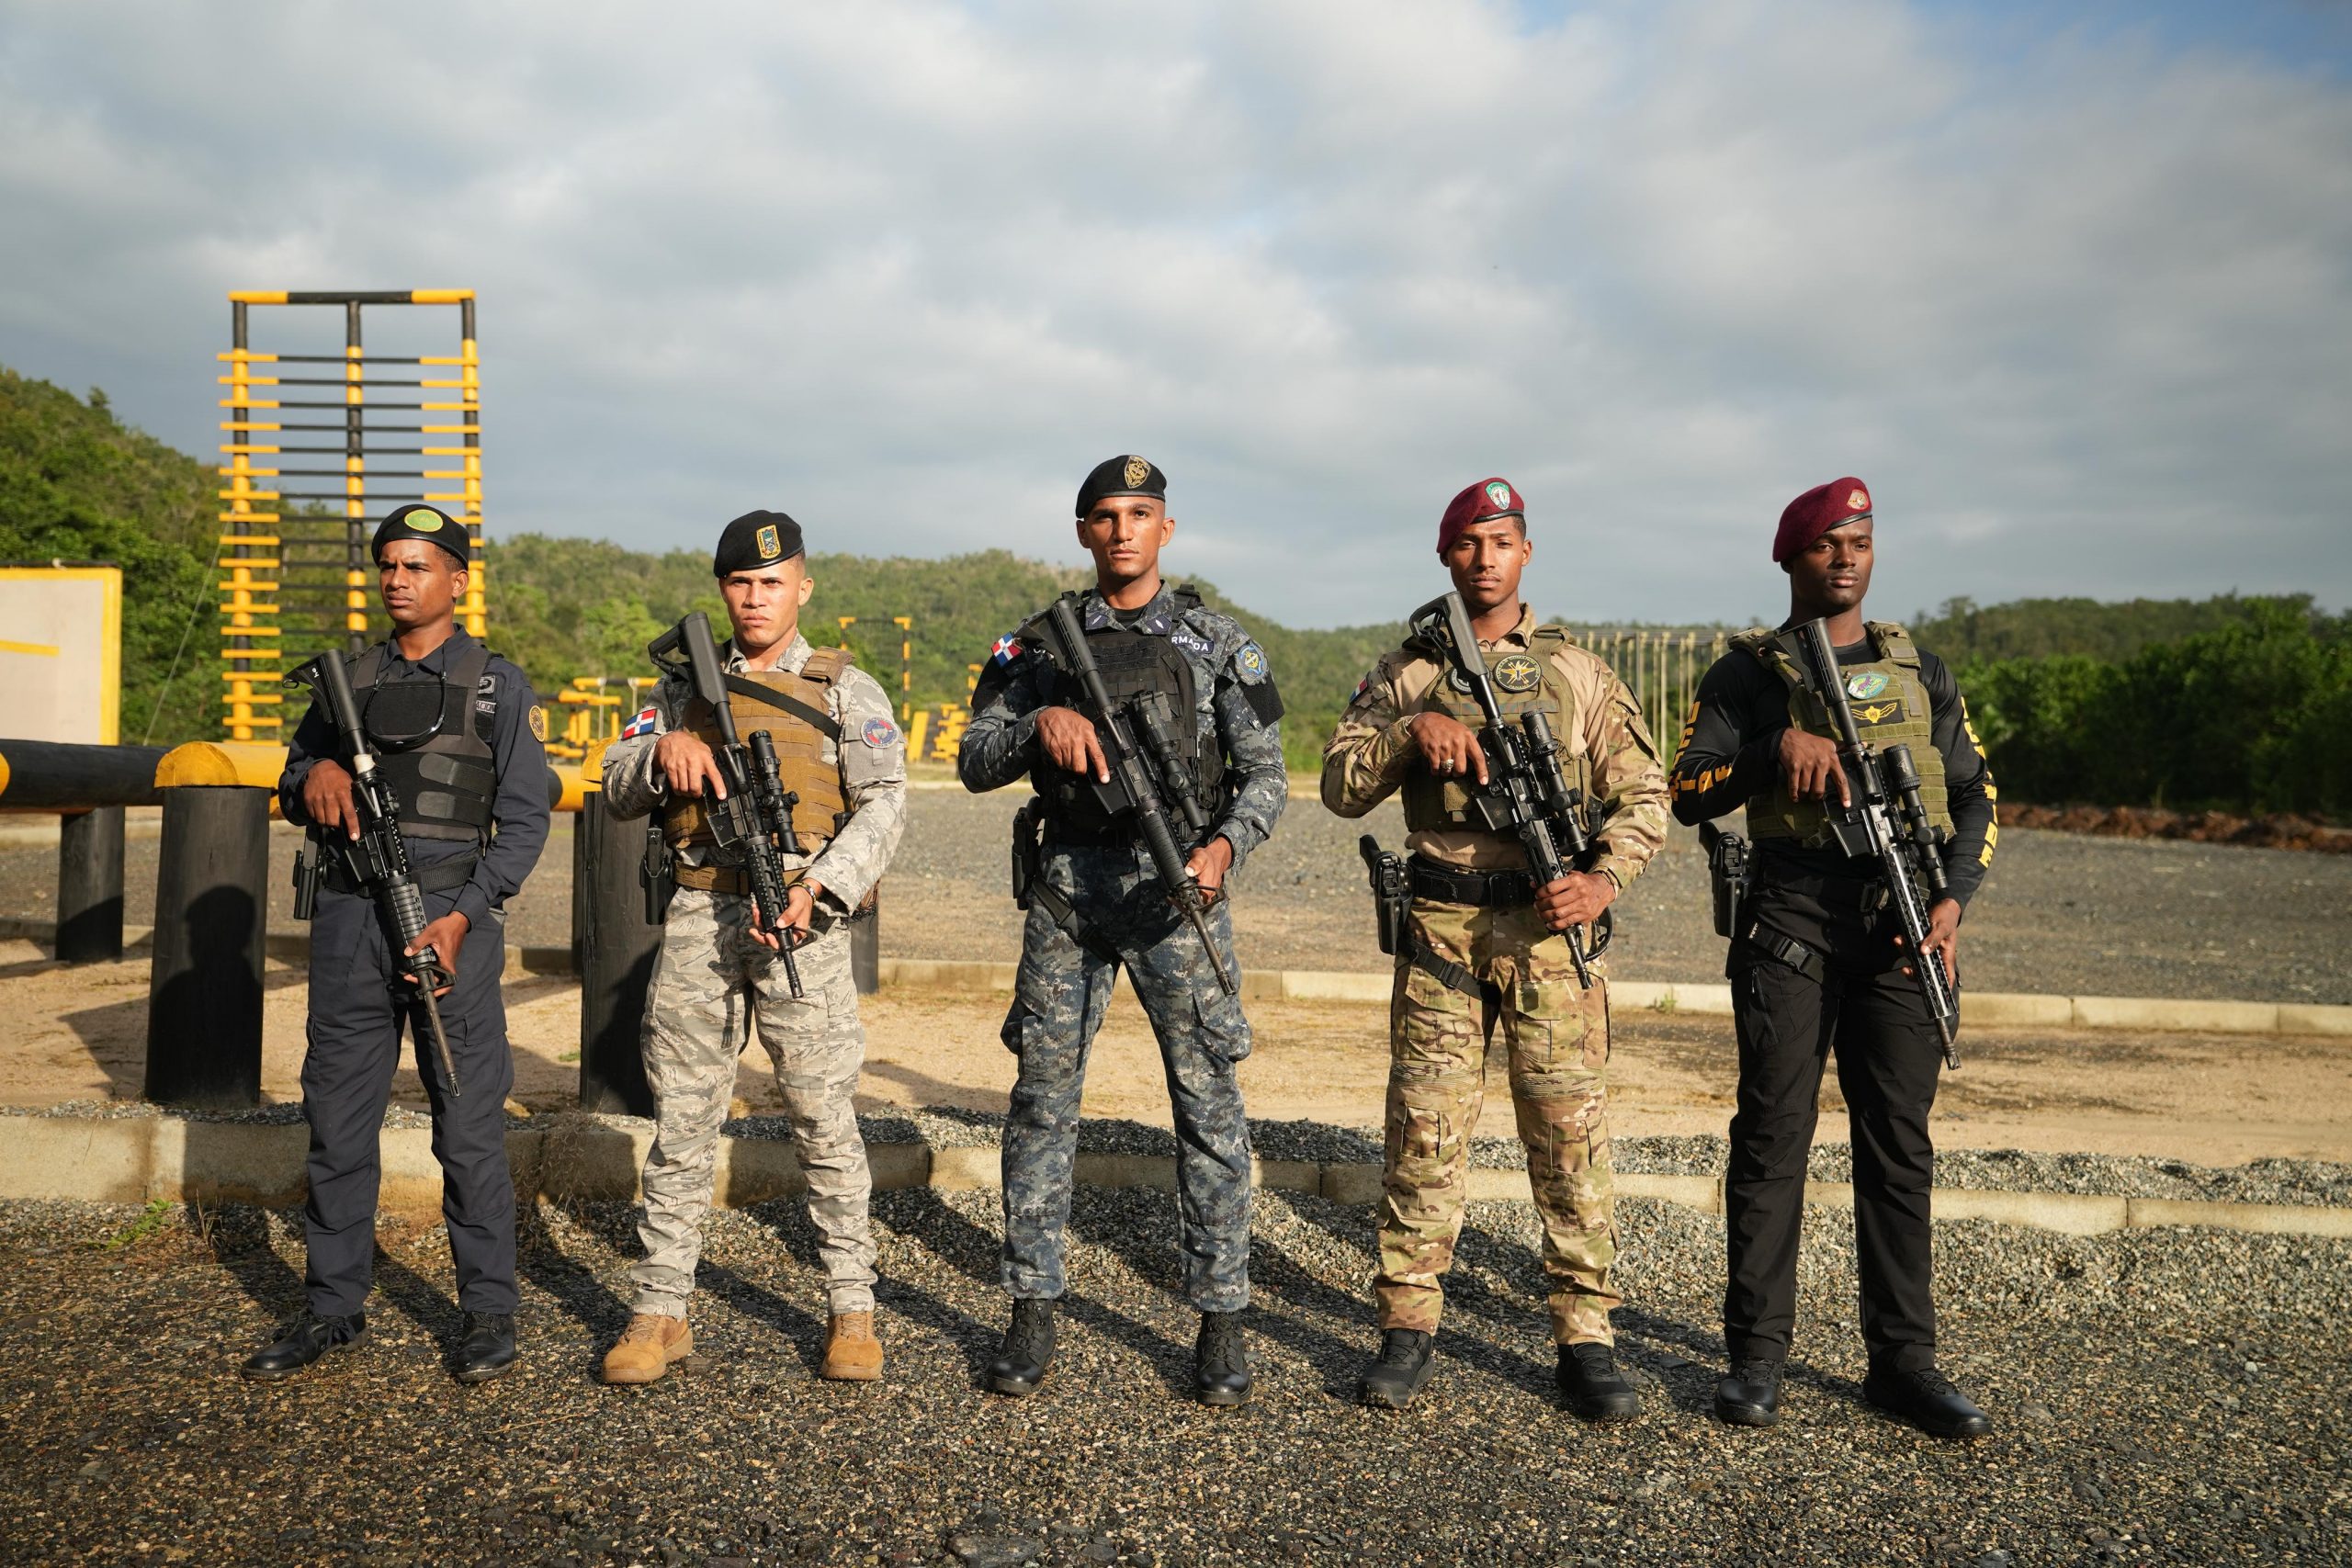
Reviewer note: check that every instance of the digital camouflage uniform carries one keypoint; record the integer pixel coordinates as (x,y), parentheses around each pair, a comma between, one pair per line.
(713,980)
(1064,987)
(1556,1033)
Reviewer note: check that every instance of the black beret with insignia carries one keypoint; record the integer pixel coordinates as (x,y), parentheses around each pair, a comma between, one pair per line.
(754,540)
(1125,475)
(418,520)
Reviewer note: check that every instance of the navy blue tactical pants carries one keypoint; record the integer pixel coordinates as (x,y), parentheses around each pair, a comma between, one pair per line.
(1059,1003)
(354,1044)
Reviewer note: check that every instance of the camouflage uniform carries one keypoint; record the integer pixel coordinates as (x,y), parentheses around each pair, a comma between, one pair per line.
(1064,987)
(1557,1033)
(712,979)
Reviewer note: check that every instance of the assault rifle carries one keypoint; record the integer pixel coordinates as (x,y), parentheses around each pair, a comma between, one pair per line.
(756,816)
(1141,783)
(1525,795)
(1887,822)
(377,859)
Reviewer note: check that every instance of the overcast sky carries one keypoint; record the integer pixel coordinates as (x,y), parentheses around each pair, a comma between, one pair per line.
(2067,286)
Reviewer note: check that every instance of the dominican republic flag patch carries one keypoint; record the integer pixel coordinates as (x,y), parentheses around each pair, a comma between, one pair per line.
(1006,651)
(643,724)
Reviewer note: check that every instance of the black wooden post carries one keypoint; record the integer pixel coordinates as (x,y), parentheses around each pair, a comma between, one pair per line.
(866,948)
(211,901)
(613,948)
(89,886)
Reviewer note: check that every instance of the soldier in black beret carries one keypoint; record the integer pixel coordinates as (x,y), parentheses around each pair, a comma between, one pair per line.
(1122,476)
(754,540)
(428,524)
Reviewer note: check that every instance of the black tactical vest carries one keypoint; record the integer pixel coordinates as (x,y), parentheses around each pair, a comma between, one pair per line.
(432,742)
(1133,664)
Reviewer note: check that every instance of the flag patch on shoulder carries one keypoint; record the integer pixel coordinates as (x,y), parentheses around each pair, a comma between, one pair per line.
(1006,651)
(643,724)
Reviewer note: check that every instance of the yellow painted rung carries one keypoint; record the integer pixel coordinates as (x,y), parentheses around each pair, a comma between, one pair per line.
(259,451)
(245,403)
(250,540)
(248,517)
(253,631)
(231,473)
(247,354)
(246,380)
(248,653)
(248,495)
(248,424)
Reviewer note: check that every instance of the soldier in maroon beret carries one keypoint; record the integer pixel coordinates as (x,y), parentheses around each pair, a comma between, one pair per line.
(1818,966)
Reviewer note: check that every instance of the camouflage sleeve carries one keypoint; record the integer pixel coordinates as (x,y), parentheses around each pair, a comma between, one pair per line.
(1370,750)
(873,773)
(1000,744)
(632,784)
(1628,776)
(1250,726)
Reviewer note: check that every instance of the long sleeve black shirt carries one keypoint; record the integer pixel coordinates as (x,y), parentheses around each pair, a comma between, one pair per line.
(1731,752)
(519,812)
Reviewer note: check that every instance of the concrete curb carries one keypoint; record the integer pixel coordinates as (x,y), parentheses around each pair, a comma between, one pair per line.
(1986,1010)
(140,1160)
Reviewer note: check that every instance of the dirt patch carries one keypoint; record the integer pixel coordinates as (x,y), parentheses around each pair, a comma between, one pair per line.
(80,1033)
(2281,831)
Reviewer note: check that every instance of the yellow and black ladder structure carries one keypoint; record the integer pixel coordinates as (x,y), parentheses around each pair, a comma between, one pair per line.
(280,556)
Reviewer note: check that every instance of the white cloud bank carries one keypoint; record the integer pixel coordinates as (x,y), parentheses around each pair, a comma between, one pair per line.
(2076,306)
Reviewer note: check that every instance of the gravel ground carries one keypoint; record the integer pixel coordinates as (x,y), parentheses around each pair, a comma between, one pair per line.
(2154,1395)
(2061,913)
(2318,1182)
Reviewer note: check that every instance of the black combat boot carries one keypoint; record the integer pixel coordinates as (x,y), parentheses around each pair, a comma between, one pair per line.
(304,1340)
(1401,1370)
(1750,1395)
(487,1349)
(1028,1349)
(1926,1398)
(1593,1386)
(1221,1360)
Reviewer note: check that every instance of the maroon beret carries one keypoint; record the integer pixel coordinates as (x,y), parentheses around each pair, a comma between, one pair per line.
(1482,503)
(1818,511)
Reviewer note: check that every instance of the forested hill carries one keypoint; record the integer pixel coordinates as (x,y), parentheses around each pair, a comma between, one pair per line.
(566,607)
(2046,676)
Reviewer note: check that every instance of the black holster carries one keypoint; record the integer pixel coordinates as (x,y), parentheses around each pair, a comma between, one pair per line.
(1392,893)
(308,870)
(657,874)
(1028,849)
(1726,877)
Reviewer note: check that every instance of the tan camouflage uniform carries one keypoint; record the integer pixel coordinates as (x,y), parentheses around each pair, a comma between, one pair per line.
(1555,1031)
(713,980)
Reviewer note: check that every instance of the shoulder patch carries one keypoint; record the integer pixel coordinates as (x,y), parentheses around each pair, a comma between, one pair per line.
(645,723)
(1007,649)
(879,732)
(538,723)
(1252,661)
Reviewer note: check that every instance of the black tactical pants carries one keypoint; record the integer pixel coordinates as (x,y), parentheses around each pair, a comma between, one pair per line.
(354,1044)
(1860,1004)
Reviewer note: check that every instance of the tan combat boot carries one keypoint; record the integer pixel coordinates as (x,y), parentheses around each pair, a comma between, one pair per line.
(647,1347)
(852,1353)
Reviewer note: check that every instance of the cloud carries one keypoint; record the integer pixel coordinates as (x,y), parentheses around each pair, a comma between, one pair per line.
(2073,301)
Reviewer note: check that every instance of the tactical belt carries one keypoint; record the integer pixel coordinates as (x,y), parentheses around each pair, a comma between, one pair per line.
(1487,889)
(1062,835)
(1862,895)
(1786,950)
(731,879)
(438,877)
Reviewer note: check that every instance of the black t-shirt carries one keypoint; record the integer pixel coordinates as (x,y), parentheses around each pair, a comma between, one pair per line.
(1731,752)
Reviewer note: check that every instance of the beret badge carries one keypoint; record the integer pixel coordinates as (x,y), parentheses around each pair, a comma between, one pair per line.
(1137,471)
(1498,493)
(1859,500)
(770,547)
